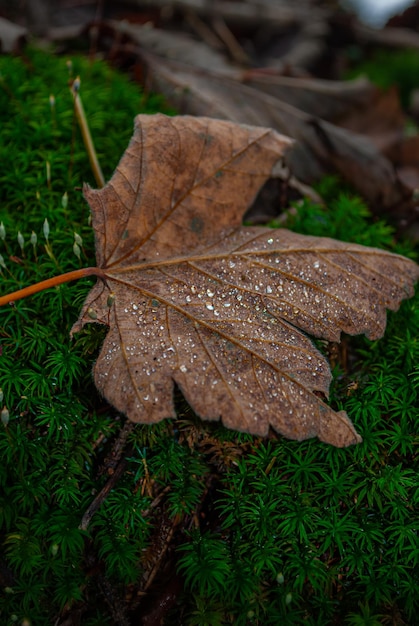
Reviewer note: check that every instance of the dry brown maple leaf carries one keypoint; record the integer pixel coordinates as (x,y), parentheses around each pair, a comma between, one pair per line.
(193,297)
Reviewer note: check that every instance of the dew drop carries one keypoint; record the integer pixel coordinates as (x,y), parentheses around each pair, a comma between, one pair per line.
(268,289)
(209,306)
(210,293)
(270,241)
(183,368)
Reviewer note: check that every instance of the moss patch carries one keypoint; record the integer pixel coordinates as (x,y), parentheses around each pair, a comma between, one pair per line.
(239,530)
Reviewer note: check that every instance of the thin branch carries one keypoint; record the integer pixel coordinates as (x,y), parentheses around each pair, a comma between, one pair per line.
(102,495)
(117,466)
(159,560)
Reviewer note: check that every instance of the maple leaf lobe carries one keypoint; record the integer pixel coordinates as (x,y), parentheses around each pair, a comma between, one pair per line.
(219,309)
(181,182)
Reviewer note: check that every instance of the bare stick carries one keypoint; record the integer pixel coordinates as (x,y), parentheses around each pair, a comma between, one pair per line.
(102,495)
(159,560)
(230,41)
(203,31)
(50,282)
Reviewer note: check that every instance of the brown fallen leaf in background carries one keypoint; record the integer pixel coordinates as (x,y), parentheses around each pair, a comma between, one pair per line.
(354,104)
(178,46)
(12,36)
(194,298)
(245,61)
(340,127)
(321,147)
(277,65)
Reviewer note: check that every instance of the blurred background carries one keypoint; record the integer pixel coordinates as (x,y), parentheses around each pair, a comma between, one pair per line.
(39,15)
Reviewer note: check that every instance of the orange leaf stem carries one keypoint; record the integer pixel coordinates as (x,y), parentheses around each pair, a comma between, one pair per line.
(50,282)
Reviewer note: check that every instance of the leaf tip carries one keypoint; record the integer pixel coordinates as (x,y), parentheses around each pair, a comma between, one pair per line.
(339,431)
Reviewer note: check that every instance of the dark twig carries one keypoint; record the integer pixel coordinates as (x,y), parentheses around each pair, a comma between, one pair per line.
(101,496)
(116,467)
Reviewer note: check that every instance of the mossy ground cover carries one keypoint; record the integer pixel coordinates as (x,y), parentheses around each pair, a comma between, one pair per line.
(232,528)
(387,68)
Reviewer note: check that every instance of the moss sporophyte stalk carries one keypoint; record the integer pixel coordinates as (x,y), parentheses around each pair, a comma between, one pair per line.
(97,514)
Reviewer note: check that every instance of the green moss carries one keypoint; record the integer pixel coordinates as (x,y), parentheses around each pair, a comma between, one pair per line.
(386,68)
(59,431)
(260,531)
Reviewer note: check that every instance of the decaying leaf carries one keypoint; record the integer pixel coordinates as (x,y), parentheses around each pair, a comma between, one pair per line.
(320,148)
(194,298)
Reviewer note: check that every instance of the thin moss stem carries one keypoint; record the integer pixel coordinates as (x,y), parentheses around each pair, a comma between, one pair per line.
(87,138)
(50,282)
